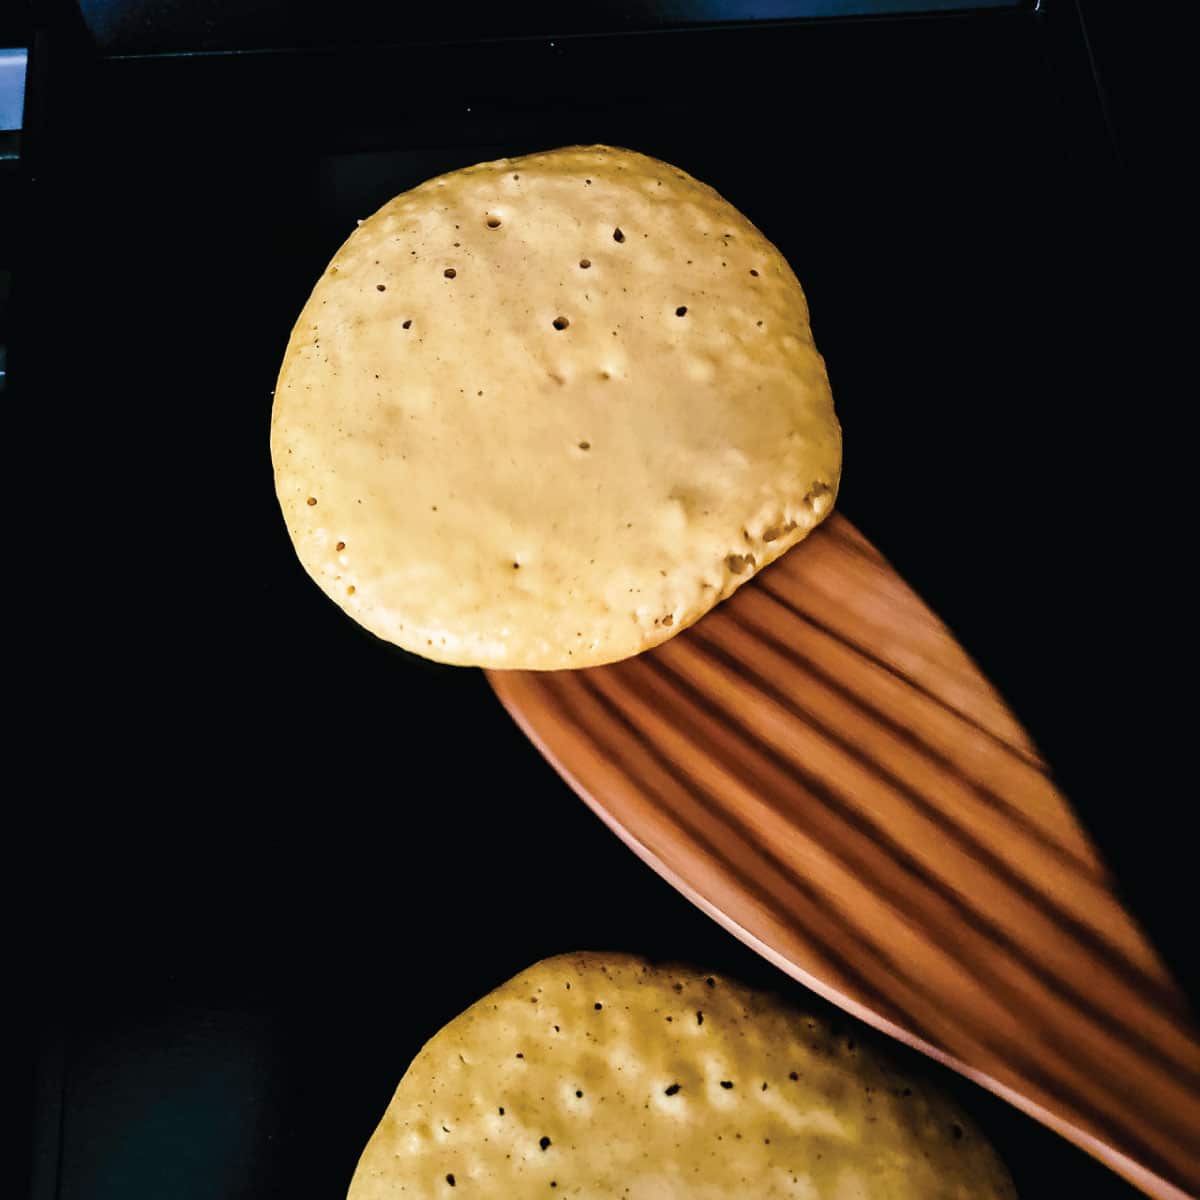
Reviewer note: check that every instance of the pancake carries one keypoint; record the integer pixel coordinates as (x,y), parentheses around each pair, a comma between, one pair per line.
(547,411)
(601,1075)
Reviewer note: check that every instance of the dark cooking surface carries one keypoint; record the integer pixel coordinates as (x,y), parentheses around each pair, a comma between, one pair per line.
(282,854)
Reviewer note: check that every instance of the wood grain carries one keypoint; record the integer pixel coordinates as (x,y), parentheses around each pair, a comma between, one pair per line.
(820,766)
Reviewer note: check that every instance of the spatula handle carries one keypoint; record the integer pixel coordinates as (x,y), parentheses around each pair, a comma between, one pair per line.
(820,766)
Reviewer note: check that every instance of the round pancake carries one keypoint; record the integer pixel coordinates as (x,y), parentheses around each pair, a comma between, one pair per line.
(546,412)
(600,1075)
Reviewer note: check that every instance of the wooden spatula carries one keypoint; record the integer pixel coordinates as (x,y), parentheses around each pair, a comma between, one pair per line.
(820,767)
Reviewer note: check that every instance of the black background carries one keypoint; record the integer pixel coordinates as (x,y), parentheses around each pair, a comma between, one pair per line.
(258,856)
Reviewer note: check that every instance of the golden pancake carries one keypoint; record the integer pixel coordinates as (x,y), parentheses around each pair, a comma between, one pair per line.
(598,1076)
(547,411)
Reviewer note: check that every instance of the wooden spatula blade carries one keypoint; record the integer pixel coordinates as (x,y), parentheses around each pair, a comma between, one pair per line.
(820,766)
